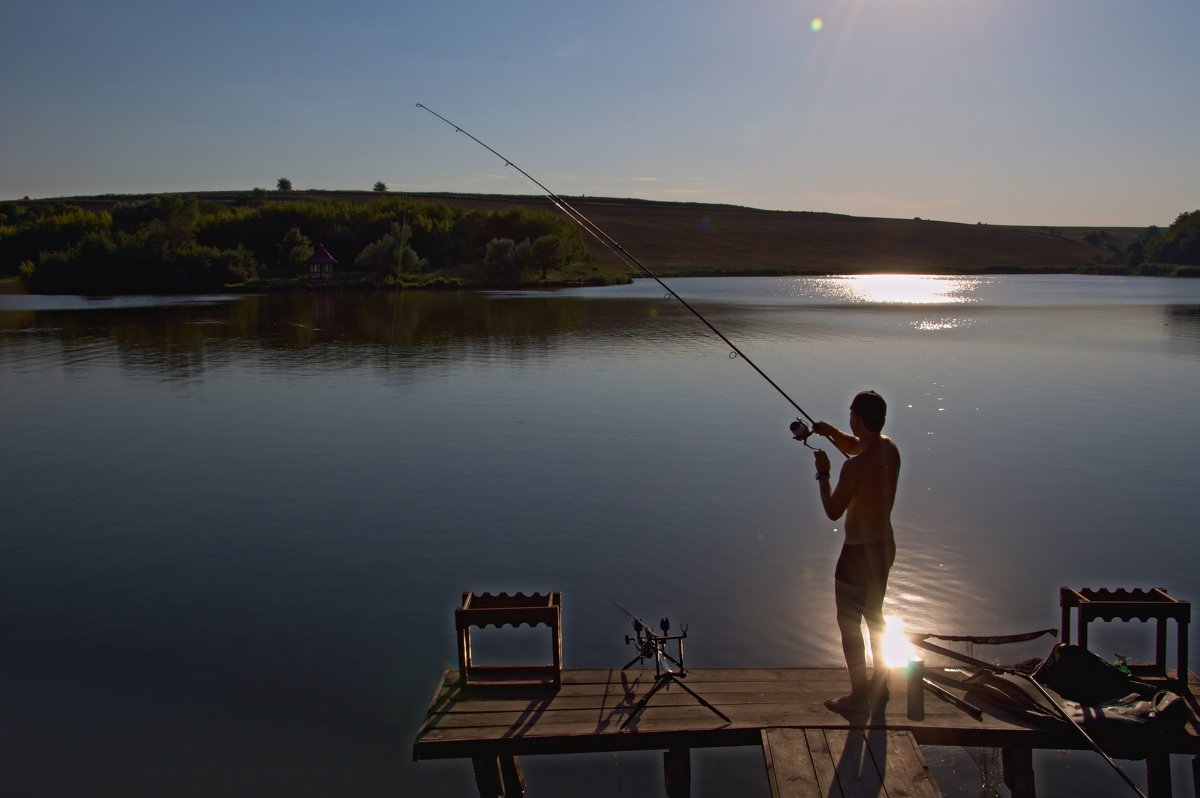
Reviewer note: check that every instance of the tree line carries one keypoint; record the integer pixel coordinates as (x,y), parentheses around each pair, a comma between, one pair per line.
(1153,248)
(181,243)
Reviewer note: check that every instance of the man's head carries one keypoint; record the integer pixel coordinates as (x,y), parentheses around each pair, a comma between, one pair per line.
(870,409)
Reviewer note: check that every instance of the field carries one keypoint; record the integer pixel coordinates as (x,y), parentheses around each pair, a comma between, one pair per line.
(674,238)
(692,238)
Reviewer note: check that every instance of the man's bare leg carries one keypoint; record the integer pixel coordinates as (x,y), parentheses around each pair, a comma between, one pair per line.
(876,626)
(849,602)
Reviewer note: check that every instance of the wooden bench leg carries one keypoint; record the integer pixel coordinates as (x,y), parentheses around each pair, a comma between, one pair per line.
(512,776)
(1018,771)
(1196,775)
(487,776)
(1158,775)
(677,771)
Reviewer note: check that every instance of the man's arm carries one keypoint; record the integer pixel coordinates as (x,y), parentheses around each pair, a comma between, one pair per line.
(844,441)
(835,500)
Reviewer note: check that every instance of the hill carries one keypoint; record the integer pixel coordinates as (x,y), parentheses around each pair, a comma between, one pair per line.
(677,238)
(694,238)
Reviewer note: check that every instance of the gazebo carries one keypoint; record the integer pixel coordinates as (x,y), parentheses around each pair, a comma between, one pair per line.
(320,267)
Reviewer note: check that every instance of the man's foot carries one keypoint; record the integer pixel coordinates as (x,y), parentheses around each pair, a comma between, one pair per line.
(879,689)
(848,704)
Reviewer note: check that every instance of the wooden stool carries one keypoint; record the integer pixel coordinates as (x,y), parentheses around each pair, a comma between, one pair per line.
(486,609)
(1142,605)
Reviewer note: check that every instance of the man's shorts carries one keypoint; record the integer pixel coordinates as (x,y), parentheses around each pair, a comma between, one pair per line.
(866,565)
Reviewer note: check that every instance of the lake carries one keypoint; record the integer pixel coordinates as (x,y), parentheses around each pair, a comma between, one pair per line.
(236,527)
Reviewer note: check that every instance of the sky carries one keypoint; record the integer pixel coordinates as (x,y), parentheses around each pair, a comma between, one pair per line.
(1046,112)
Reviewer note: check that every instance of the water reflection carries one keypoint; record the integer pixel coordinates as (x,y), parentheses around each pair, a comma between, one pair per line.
(1182,326)
(907,289)
(173,340)
(943,323)
(314,478)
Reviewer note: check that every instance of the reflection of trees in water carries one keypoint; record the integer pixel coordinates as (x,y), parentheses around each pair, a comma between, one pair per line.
(1183,328)
(403,329)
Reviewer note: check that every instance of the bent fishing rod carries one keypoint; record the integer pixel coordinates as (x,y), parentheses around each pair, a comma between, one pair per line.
(798,428)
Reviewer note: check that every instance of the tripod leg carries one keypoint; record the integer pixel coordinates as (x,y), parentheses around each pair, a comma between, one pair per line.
(642,704)
(700,698)
(664,679)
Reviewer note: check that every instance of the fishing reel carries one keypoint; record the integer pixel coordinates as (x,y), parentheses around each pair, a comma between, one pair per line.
(801,431)
(651,645)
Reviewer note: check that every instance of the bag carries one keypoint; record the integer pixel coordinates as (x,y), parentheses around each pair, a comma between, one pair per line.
(1101,695)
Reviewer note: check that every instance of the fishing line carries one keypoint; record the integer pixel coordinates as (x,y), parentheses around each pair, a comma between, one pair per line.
(636,265)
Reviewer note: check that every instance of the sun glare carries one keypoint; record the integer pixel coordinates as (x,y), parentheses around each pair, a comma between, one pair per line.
(896,648)
(908,289)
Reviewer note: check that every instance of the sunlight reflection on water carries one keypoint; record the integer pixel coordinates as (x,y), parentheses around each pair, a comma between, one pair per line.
(938,325)
(901,289)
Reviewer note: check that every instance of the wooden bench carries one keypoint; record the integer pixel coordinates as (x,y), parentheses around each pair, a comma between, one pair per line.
(824,763)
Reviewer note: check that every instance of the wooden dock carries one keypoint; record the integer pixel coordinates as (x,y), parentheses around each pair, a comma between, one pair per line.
(779,709)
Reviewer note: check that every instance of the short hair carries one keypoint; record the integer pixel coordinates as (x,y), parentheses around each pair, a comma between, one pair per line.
(871,410)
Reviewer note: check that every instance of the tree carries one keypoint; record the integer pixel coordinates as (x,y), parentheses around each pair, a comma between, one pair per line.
(499,263)
(523,256)
(283,184)
(294,250)
(1181,242)
(381,187)
(391,254)
(547,254)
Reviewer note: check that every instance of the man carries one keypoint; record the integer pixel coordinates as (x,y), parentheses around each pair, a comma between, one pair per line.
(865,492)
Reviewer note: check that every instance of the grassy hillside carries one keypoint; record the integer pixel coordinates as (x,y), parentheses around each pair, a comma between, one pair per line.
(693,238)
(674,238)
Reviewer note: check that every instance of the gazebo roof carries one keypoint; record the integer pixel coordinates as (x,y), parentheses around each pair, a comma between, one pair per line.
(321,256)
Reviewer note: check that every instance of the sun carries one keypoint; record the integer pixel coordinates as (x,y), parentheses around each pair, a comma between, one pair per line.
(897,651)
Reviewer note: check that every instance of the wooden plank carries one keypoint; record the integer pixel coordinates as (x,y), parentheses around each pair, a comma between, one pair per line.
(907,771)
(433,704)
(824,763)
(762,714)
(790,770)
(573,699)
(695,722)
(857,775)
(769,761)
(577,676)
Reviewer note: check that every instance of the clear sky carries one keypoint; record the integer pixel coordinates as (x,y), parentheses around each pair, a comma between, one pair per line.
(1059,112)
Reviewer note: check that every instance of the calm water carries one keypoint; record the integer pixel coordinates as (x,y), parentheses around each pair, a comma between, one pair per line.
(235,528)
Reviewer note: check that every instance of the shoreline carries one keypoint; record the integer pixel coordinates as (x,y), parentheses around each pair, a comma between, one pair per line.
(671,239)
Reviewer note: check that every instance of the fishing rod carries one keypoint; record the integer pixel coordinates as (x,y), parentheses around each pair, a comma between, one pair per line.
(799,430)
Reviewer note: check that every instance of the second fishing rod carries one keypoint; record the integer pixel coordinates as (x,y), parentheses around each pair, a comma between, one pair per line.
(799,429)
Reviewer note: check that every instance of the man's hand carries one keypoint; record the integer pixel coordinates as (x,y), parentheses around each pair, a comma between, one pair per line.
(822,461)
(823,429)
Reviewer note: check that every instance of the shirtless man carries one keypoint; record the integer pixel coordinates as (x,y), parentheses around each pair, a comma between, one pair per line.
(865,492)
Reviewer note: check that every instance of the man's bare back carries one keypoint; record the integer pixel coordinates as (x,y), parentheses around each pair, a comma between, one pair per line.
(870,478)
